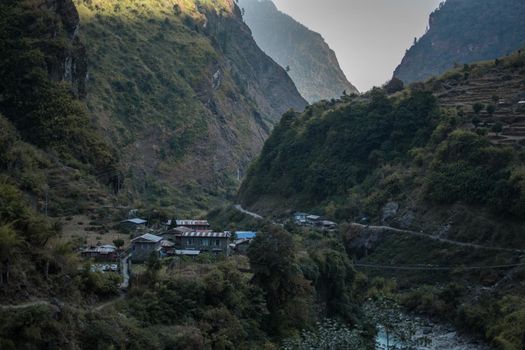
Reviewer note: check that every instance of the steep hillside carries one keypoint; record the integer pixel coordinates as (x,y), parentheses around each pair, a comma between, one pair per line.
(431,162)
(464,31)
(312,65)
(50,146)
(183,92)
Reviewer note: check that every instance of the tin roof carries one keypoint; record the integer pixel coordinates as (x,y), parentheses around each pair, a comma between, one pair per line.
(148,237)
(188,252)
(135,221)
(245,234)
(207,234)
(192,223)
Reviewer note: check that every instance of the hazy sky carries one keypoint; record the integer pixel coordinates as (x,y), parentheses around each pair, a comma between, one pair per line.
(369,36)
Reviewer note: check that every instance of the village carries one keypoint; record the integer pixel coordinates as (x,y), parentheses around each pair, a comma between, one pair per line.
(185,239)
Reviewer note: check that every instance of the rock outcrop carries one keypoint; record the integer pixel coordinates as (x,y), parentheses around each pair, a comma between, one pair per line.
(68,63)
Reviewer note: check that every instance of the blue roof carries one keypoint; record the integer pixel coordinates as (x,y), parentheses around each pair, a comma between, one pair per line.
(245,234)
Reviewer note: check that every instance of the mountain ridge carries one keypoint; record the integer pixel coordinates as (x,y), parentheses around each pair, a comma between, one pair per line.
(464,31)
(312,64)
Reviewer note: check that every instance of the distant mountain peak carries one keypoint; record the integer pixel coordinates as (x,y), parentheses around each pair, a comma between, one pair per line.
(310,62)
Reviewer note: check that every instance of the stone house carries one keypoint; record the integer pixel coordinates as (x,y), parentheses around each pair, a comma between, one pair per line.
(143,246)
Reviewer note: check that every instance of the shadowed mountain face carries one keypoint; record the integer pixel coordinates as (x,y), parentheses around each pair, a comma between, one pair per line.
(312,65)
(182,89)
(464,31)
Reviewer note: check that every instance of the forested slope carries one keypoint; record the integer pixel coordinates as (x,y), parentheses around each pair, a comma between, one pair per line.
(426,159)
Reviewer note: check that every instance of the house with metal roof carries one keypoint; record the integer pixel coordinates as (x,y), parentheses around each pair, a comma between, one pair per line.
(133,224)
(194,225)
(143,246)
(106,252)
(207,242)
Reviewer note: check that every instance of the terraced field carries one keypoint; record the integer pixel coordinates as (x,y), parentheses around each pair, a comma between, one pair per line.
(504,89)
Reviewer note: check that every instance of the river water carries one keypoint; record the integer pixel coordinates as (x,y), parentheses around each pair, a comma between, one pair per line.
(437,337)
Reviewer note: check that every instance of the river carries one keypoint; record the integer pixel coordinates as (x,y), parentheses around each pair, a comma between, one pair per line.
(436,336)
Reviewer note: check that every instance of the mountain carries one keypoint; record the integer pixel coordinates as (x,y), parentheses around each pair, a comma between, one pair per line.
(313,66)
(441,163)
(184,93)
(464,31)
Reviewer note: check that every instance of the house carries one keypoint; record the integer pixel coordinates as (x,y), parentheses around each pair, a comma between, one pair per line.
(300,218)
(242,241)
(306,219)
(143,246)
(211,242)
(175,235)
(166,247)
(106,252)
(194,225)
(327,225)
(312,219)
(241,246)
(133,224)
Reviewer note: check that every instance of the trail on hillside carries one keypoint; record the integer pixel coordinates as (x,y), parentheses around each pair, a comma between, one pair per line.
(435,238)
(409,232)
(244,211)
(25,305)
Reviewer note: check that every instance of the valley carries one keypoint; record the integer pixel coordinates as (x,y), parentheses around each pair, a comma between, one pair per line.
(201,175)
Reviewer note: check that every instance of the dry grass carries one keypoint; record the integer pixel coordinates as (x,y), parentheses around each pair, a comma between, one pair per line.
(80,228)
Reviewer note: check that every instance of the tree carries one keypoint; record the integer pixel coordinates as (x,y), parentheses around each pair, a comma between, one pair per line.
(476,121)
(153,266)
(490,109)
(118,243)
(477,107)
(394,85)
(497,128)
(272,260)
(9,241)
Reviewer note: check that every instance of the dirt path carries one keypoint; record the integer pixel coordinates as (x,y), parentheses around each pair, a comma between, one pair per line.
(25,305)
(106,304)
(254,215)
(435,238)
(124,271)
(412,233)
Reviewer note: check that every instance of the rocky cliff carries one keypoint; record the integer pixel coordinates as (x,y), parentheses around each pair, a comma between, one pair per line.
(68,63)
(464,31)
(310,62)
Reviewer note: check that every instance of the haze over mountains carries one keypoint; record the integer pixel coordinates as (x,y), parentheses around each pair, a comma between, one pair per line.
(310,62)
